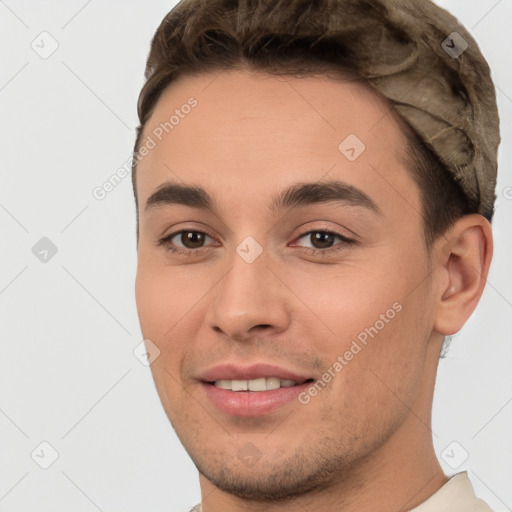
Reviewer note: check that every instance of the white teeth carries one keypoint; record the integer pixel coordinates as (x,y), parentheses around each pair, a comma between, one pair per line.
(273,383)
(224,384)
(261,384)
(257,384)
(238,385)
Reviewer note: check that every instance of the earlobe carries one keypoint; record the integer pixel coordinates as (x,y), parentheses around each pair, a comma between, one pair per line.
(464,257)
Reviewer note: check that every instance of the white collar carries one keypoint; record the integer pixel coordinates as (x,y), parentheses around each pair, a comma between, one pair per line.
(456,495)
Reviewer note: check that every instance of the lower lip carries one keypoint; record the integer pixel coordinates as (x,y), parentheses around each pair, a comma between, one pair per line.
(252,403)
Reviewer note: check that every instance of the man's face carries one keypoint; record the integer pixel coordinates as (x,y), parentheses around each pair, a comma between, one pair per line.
(264,284)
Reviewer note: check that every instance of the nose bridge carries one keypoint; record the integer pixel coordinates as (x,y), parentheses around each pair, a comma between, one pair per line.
(249,295)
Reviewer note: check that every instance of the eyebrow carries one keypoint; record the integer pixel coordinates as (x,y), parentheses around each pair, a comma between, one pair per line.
(297,196)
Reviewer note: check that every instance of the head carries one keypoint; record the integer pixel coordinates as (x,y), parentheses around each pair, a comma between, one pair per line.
(338,230)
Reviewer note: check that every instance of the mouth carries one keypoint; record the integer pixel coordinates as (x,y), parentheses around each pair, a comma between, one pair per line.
(257,390)
(257,385)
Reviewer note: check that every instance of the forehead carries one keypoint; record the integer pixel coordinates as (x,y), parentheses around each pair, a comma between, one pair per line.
(256,132)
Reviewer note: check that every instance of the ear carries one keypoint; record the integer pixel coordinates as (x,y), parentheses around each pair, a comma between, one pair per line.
(464,257)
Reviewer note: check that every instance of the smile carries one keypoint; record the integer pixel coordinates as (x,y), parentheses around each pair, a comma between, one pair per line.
(261,384)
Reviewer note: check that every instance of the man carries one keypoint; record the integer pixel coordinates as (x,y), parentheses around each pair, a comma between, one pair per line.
(314,185)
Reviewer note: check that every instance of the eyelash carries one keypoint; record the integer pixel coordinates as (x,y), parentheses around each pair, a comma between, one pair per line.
(165,242)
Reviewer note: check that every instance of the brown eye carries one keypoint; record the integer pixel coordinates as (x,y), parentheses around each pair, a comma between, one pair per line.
(186,241)
(192,239)
(322,240)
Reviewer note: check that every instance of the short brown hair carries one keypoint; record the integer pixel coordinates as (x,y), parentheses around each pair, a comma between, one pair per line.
(300,38)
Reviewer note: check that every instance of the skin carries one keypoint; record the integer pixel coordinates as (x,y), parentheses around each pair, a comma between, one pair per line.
(364,442)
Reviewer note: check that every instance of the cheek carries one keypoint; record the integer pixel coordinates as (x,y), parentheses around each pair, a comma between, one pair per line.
(368,329)
(149,295)
(160,306)
(170,310)
(377,381)
(347,303)
(162,296)
(383,384)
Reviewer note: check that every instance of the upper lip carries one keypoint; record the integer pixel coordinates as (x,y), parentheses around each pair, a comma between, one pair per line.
(230,371)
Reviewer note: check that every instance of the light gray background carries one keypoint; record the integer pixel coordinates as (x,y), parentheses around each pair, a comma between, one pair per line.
(69,325)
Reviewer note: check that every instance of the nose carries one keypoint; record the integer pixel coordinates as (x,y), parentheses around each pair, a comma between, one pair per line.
(249,301)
